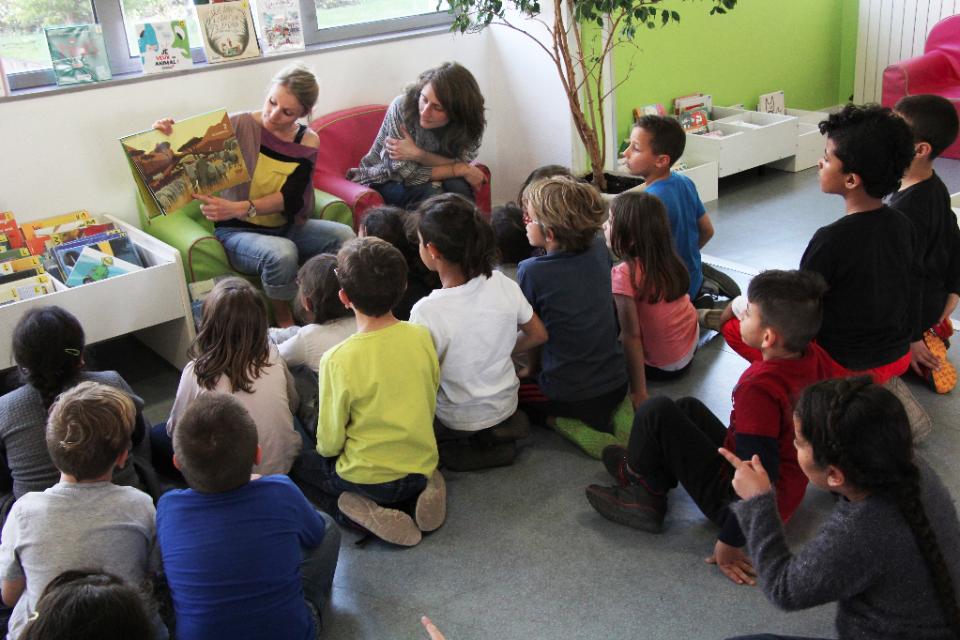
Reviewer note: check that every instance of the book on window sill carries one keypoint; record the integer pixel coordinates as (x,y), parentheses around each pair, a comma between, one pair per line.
(78,54)
(772,103)
(280,28)
(201,156)
(227,31)
(164,46)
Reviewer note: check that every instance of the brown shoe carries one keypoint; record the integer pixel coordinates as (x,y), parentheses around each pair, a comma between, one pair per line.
(390,525)
(431,506)
(709,319)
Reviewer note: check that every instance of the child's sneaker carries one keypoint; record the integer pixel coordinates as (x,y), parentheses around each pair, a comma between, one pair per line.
(390,525)
(709,319)
(615,460)
(633,505)
(725,285)
(431,506)
(945,379)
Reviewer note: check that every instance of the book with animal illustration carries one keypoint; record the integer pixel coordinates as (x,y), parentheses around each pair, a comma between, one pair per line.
(78,54)
(164,46)
(201,156)
(280,25)
(227,31)
(93,265)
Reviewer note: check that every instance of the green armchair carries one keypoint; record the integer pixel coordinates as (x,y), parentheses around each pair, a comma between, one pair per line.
(187,231)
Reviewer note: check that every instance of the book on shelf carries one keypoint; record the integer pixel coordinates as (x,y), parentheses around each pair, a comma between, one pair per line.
(200,156)
(78,54)
(772,103)
(712,134)
(164,46)
(689,103)
(199,290)
(8,227)
(114,243)
(35,233)
(227,31)
(93,266)
(63,237)
(20,264)
(694,121)
(21,275)
(280,27)
(26,289)
(4,243)
(656,109)
(14,254)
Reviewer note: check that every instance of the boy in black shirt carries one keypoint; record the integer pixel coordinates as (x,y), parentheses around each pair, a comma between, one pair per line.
(925,200)
(871,316)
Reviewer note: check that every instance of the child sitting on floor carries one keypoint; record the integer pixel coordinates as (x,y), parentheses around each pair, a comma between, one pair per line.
(390,224)
(676,442)
(890,553)
(513,246)
(658,321)
(473,321)
(583,371)
(233,354)
(378,395)
(48,346)
(246,557)
(925,200)
(84,520)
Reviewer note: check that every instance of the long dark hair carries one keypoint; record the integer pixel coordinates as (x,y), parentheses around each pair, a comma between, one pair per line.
(862,429)
(457,90)
(319,285)
(48,347)
(640,234)
(233,337)
(460,232)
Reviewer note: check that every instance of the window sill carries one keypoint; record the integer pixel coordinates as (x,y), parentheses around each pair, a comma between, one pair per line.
(203,67)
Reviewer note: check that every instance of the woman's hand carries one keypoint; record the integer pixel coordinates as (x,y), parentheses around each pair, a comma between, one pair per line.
(405,149)
(219,209)
(474,177)
(164,126)
(750,479)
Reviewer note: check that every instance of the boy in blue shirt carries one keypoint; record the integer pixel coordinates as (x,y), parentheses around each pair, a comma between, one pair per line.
(245,557)
(656,143)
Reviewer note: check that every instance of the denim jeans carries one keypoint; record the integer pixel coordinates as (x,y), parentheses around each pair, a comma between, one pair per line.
(276,253)
(312,468)
(396,194)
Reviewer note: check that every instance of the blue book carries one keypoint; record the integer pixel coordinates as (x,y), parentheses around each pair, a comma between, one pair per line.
(93,265)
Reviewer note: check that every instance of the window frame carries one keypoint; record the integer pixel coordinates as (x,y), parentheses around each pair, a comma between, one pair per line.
(109,15)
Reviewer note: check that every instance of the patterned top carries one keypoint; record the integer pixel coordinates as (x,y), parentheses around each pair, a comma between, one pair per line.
(377,168)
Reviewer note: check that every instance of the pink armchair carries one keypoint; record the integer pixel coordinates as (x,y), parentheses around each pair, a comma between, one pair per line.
(937,71)
(345,137)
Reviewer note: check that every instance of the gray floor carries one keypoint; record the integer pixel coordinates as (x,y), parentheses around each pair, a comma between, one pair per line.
(522,554)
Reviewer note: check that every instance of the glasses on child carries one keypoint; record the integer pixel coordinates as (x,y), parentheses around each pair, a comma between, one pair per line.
(527,219)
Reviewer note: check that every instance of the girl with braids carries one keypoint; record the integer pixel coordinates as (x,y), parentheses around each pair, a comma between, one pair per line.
(890,554)
(48,347)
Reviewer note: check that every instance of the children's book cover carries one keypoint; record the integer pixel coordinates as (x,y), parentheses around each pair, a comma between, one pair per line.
(78,54)
(164,46)
(30,287)
(22,264)
(4,243)
(113,243)
(694,121)
(280,25)
(8,227)
(93,265)
(64,237)
(772,103)
(20,275)
(201,156)
(57,223)
(227,31)
(13,254)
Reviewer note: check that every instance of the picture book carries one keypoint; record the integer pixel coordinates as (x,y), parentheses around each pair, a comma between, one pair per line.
(113,243)
(676,102)
(227,31)
(694,102)
(694,121)
(13,254)
(30,287)
(8,296)
(78,54)
(772,103)
(164,46)
(199,290)
(21,264)
(4,243)
(20,275)
(201,156)
(8,227)
(64,237)
(280,28)
(93,265)
(30,228)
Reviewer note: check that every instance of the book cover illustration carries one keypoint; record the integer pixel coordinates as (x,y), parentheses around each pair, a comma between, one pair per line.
(694,121)
(280,25)
(57,223)
(227,31)
(93,265)
(29,287)
(4,243)
(20,275)
(78,54)
(201,156)
(772,103)
(113,243)
(164,46)
(22,264)
(64,237)
(8,227)
(13,254)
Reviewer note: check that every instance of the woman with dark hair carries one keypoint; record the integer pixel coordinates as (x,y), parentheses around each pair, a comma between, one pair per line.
(429,136)
(890,553)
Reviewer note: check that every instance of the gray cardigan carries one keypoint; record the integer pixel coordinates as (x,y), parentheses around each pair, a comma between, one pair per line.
(865,557)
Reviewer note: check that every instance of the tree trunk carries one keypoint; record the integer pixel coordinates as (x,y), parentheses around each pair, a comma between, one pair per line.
(596,161)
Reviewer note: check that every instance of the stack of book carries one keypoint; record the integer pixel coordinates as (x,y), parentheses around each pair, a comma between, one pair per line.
(655,109)
(694,112)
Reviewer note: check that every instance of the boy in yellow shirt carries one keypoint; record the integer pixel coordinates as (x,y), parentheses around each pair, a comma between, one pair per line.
(378,393)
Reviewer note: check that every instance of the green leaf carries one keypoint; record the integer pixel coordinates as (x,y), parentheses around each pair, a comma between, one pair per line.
(676,16)
(650,25)
(664,17)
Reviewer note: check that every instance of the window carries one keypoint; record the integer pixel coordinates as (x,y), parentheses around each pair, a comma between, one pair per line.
(27,63)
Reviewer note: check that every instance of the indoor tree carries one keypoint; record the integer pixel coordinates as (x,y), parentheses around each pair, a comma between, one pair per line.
(579,63)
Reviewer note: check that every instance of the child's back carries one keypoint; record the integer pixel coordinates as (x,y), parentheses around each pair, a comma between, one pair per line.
(684,208)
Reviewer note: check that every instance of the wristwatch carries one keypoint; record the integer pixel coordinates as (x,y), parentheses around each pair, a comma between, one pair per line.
(252,211)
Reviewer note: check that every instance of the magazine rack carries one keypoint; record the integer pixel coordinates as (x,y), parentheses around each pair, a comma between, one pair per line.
(153,304)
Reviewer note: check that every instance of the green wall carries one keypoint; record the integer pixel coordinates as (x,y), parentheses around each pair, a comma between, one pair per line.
(761,46)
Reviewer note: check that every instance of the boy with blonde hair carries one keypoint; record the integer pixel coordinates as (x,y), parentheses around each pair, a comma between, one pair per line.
(85,520)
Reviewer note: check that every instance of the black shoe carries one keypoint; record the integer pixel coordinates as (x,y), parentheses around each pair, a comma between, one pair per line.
(615,460)
(472,457)
(633,505)
(726,285)
(516,427)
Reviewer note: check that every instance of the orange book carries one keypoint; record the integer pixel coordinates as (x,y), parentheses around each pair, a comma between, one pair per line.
(8,226)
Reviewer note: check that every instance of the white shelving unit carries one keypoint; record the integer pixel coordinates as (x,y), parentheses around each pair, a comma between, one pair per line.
(153,304)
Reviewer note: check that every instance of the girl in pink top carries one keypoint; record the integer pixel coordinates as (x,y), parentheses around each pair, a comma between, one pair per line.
(658,321)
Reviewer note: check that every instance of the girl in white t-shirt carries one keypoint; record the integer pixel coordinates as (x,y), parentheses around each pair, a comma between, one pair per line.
(657,320)
(474,321)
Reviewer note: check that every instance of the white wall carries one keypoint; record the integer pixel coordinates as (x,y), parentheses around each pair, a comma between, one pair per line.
(60,153)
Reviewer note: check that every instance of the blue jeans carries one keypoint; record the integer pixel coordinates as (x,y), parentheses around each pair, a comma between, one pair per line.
(312,468)
(409,197)
(276,253)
